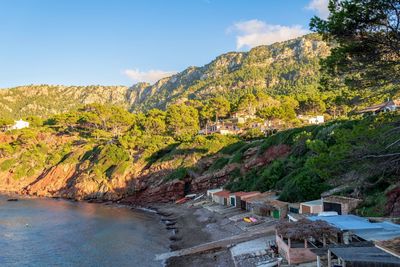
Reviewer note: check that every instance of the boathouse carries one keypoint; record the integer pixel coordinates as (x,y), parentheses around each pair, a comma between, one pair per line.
(341,205)
(222,197)
(238,199)
(311,207)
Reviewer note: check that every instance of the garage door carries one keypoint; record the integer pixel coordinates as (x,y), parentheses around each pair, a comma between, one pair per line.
(328,206)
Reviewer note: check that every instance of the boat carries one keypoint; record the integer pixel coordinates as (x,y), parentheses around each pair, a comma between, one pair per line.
(181,201)
(252,219)
(247,219)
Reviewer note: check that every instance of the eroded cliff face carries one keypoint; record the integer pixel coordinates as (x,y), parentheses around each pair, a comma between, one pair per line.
(73,175)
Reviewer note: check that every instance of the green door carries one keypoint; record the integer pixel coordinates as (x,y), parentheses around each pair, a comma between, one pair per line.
(233,201)
(275,214)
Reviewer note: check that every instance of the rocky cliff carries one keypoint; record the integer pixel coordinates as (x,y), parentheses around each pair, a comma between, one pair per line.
(290,67)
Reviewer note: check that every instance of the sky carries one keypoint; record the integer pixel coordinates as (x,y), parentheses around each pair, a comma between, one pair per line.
(121,42)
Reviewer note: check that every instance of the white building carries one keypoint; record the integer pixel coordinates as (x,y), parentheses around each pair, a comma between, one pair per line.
(312,119)
(19,125)
(316,120)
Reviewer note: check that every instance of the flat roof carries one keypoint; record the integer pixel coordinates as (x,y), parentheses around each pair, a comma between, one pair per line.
(265,195)
(387,231)
(242,194)
(340,199)
(214,190)
(275,203)
(361,226)
(346,222)
(364,254)
(223,193)
(317,202)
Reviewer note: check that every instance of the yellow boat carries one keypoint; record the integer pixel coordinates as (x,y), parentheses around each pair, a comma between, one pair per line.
(247,219)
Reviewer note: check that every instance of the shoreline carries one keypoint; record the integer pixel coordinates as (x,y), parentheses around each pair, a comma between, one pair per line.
(204,234)
(187,225)
(190,226)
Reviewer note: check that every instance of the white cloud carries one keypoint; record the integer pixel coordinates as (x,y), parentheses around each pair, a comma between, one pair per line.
(255,32)
(150,76)
(320,6)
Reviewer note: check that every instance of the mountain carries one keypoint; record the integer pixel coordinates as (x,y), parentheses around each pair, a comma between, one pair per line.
(43,100)
(290,67)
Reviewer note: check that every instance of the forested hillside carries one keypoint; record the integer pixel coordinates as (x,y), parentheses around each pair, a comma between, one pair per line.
(106,153)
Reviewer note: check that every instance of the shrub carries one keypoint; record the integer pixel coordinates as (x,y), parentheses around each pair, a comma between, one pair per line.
(7,164)
(219,164)
(178,174)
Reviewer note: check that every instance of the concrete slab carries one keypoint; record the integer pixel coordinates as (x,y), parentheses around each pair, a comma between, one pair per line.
(223,243)
(251,246)
(254,253)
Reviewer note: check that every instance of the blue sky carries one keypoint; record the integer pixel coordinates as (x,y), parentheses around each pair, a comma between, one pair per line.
(120,42)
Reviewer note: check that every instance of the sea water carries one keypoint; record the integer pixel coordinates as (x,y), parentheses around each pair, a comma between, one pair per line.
(51,232)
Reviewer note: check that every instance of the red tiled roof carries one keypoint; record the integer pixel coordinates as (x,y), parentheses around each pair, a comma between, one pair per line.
(265,195)
(223,193)
(246,195)
(276,203)
(239,194)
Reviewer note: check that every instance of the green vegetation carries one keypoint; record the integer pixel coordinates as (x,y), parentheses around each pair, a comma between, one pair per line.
(177,174)
(151,131)
(323,157)
(366,33)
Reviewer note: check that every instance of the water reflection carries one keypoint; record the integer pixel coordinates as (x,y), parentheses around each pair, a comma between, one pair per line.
(46,232)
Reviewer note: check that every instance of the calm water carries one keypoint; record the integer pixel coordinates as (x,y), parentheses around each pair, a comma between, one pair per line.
(47,232)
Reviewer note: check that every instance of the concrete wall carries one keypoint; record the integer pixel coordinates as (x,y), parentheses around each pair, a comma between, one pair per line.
(218,199)
(283,212)
(347,204)
(294,255)
(310,209)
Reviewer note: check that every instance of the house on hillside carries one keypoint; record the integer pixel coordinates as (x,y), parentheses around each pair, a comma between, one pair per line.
(319,119)
(223,127)
(388,106)
(20,124)
(238,117)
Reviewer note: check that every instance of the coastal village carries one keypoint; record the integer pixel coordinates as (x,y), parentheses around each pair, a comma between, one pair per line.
(265,231)
(270,232)
(200,133)
(257,229)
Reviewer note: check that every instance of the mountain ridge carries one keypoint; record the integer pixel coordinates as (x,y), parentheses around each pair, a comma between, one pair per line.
(281,68)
